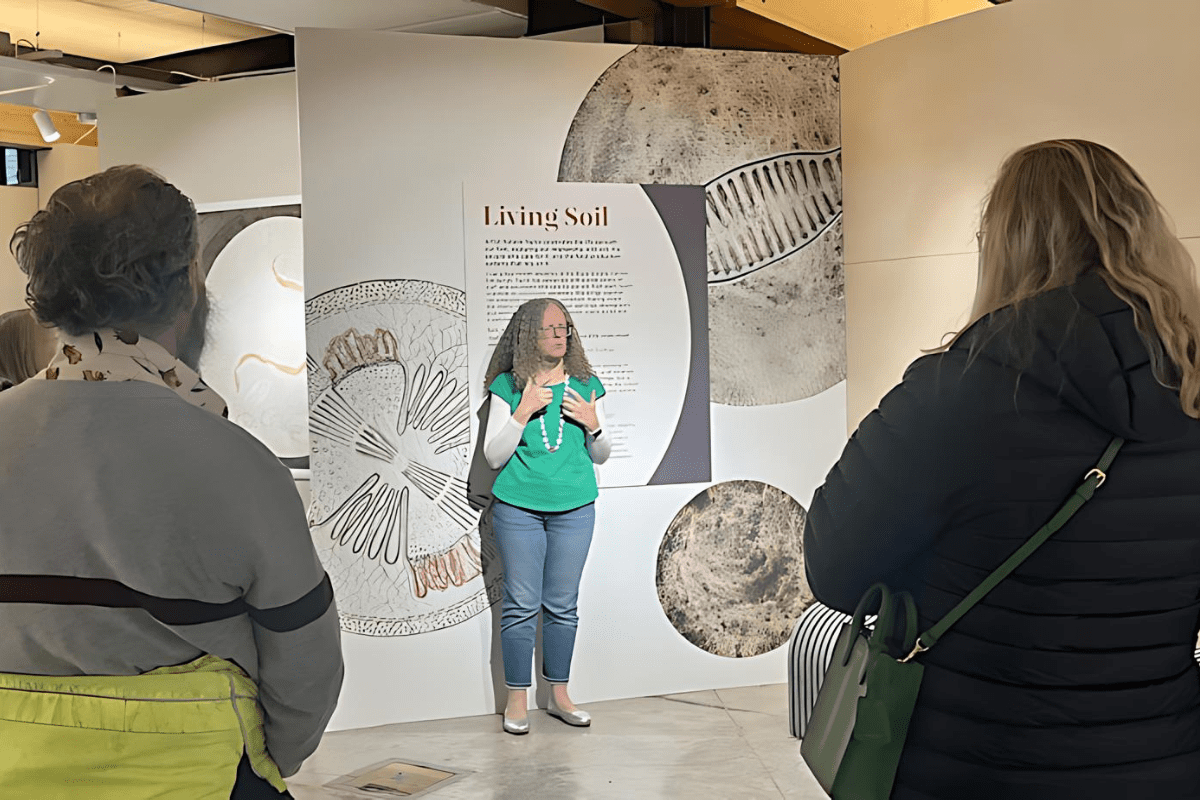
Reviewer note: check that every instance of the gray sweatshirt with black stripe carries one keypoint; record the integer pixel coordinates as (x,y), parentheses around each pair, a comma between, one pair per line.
(127,482)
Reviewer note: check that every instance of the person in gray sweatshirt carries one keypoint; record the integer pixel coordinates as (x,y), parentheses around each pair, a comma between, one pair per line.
(141,528)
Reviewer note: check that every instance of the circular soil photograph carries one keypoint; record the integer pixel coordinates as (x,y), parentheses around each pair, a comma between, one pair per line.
(761,133)
(730,569)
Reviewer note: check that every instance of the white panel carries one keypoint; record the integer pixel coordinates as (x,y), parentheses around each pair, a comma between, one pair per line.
(456,110)
(927,116)
(218,142)
(60,88)
(499,124)
(641,422)
(894,310)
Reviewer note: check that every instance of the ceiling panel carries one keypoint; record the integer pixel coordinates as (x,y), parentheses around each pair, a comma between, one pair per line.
(116,30)
(36,83)
(856,24)
(287,15)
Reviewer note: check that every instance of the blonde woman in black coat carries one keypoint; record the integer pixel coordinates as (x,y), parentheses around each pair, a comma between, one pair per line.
(1075,677)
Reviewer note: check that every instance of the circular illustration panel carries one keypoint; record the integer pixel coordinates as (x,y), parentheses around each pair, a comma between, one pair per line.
(390,427)
(730,572)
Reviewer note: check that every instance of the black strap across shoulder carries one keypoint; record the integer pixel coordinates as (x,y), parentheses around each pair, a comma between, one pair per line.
(107,593)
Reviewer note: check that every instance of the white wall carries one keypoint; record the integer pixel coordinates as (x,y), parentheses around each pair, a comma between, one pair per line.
(928,116)
(219,142)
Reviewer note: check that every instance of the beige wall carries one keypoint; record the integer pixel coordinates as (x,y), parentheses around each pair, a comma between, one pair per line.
(56,166)
(17,205)
(927,117)
(63,164)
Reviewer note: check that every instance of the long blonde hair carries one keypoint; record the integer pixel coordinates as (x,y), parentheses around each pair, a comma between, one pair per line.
(1061,207)
(517,351)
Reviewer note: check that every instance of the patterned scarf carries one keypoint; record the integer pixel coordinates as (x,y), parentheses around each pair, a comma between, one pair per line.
(108,355)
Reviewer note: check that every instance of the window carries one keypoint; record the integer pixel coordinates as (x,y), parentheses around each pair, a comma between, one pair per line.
(19,166)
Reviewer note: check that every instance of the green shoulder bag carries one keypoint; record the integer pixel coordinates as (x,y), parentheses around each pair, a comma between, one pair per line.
(861,717)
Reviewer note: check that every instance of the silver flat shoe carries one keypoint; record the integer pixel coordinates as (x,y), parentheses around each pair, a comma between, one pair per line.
(578,718)
(516,727)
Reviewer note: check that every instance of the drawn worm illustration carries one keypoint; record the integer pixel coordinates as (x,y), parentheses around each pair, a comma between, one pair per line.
(375,518)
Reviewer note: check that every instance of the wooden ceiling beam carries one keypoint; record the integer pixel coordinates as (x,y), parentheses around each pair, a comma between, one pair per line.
(724,24)
(855,24)
(737,29)
(633,31)
(252,55)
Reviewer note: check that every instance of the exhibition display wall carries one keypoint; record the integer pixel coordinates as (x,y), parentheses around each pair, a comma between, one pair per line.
(929,115)
(708,284)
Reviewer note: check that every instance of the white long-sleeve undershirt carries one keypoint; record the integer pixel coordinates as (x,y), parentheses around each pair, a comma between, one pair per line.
(504,434)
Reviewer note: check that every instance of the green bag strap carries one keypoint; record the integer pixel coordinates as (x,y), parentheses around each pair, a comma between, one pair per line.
(911,621)
(1091,482)
(891,606)
(884,616)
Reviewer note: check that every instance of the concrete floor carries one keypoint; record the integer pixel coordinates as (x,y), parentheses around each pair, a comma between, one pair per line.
(728,743)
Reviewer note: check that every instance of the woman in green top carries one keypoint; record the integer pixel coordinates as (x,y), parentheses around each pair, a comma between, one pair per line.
(544,434)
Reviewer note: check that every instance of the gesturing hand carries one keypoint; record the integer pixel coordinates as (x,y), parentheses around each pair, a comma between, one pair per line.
(580,410)
(533,399)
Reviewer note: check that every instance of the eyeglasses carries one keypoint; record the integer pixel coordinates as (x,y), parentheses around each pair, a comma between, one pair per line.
(556,331)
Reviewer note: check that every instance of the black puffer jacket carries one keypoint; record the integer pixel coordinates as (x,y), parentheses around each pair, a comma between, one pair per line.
(1075,677)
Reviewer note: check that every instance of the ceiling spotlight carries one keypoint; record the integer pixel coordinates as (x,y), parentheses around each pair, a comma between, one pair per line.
(45,126)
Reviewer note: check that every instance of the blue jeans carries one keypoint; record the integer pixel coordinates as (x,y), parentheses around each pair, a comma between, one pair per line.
(543,554)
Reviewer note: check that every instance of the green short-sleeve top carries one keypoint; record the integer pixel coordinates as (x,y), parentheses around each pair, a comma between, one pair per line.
(535,478)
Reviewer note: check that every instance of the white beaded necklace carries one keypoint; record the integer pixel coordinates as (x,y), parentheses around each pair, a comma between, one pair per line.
(545,438)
